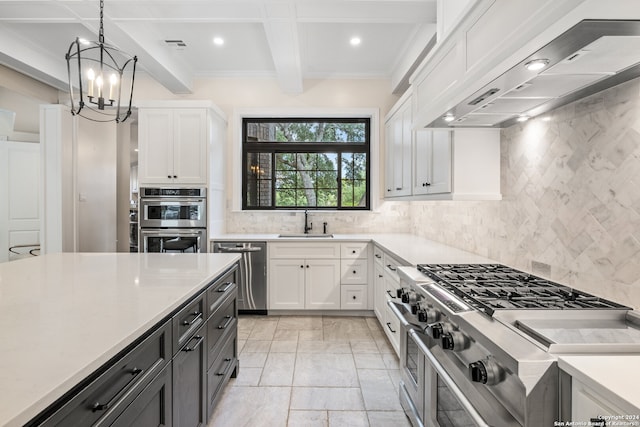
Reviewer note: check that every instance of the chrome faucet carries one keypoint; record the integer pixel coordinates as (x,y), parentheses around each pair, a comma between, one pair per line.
(307,226)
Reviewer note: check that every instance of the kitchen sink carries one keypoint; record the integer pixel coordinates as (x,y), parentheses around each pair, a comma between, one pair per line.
(306,236)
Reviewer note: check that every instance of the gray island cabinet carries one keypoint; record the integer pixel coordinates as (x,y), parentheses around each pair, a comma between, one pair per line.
(175,364)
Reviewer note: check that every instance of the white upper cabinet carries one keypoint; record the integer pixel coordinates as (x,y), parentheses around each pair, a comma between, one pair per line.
(432,162)
(398,150)
(439,164)
(172,146)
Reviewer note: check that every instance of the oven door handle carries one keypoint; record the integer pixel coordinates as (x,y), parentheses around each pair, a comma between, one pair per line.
(444,376)
(176,201)
(170,233)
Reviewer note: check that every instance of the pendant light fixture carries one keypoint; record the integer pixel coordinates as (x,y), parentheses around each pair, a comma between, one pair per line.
(103,80)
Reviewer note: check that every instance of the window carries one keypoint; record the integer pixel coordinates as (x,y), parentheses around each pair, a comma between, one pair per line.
(305,163)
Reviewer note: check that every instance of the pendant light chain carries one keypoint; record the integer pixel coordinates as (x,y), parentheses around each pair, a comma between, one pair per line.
(101,33)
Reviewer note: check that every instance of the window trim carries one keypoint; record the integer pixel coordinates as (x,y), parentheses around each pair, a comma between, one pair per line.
(290,113)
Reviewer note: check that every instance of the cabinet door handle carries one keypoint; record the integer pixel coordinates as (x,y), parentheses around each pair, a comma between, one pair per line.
(378,256)
(307,266)
(194,348)
(353,252)
(355,272)
(380,276)
(224,326)
(398,188)
(388,189)
(169,176)
(389,293)
(136,372)
(302,266)
(175,176)
(389,326)
(391,268)
(196,316)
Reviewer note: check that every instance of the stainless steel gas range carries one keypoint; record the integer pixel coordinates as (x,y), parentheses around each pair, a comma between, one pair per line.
(479,343)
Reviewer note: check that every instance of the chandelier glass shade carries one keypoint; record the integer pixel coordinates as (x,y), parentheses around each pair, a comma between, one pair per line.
(101,79)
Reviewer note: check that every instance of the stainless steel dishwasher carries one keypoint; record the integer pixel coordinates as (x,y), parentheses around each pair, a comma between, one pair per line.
(252,289)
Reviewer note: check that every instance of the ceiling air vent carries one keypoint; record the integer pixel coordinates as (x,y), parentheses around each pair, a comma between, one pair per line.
(484,96)
(176,44)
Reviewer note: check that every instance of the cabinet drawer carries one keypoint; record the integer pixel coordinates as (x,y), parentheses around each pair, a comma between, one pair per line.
(224,320)
(353,297)
(353,250)
(104,399)
(221,289)
(354,272)
(378,255)
(319,250)
(221,370)
(187,321)
(391,266)
(153,406)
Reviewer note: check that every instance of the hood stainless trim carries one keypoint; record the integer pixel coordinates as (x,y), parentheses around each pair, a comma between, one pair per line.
(561,48)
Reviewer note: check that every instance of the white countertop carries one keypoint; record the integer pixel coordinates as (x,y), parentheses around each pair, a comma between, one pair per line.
(64,315)
(614,377)
(410,248)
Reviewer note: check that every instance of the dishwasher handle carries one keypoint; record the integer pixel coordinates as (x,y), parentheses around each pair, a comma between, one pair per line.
(239,250)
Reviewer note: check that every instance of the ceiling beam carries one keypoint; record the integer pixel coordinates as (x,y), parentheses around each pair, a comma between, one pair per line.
(282,35)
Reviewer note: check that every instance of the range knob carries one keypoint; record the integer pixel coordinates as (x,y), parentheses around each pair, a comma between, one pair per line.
(439,329)
(410,297)
(454,340)
(399,292)
(486,372)
(428,315)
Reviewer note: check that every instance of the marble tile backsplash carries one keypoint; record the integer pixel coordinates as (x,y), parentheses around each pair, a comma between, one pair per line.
(571,199)
(390,217)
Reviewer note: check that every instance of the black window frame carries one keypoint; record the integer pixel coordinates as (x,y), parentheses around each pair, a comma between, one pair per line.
(273,148)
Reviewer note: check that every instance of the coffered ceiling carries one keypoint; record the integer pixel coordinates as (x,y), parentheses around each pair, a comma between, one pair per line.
(291,40)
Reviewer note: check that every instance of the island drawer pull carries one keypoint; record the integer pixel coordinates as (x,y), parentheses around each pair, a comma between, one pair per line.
(227,360)
(197,315)
(136,372)
(195,347)
(224,287)
(229,320)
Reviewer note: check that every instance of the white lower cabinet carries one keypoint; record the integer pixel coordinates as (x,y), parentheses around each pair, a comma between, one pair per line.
(588,406)
(286,284)
(385,284)
(318,276)
(296,284)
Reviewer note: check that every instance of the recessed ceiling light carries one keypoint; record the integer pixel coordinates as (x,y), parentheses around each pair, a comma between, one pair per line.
(218,41)
(536,64)
(523,118)
(355,41)
(449,118)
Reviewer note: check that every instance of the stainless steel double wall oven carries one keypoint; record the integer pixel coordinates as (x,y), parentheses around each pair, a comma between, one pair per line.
(173,220)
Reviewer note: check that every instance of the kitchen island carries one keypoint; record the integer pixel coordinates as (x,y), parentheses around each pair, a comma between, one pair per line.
(63,316)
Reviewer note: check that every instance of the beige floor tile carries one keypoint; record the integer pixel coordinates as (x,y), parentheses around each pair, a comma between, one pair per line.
(256,346)
(378,391)
(373,323)
(247,377)
(391,360)
(364,347)
(348,419)
(263,331)
(241,344)
(307,419)
(312,335)
(388,419)
(252,360)
(284,346)
(395,376)
(243,335)
(385,346)
(300,323)
(285,335)
(325,370)
(252,407)
(324,347)
(326,398)
(278,369)
(369,361)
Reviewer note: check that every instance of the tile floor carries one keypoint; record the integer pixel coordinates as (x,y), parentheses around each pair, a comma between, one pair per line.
(312,371)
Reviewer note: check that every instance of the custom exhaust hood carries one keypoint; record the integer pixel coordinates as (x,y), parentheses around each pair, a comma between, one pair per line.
(591,56)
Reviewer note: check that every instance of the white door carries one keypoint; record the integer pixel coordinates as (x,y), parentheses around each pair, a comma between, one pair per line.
(155,141)
(322,288)
(19,198)
(286,284)
(190,146)
(422,161)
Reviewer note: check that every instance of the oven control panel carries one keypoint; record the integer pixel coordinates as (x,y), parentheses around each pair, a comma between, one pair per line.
(448,300)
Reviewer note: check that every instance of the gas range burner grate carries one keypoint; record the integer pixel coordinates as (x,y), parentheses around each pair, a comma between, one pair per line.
(490,287)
